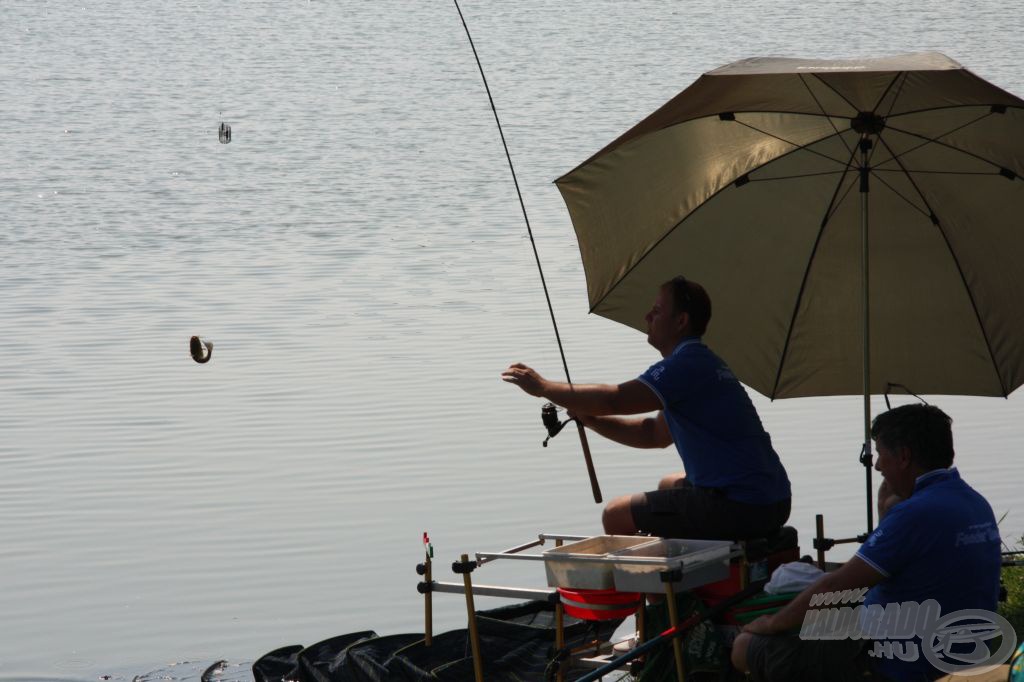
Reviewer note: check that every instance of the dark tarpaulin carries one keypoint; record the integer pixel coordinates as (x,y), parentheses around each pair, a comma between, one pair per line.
(517,642)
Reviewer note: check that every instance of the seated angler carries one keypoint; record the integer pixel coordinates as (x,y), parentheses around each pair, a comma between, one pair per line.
(734,485)
(936,548)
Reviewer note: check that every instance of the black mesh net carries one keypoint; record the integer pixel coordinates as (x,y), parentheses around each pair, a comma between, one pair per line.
(517,642)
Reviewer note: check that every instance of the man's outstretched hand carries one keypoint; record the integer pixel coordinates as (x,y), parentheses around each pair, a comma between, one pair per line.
(525,378)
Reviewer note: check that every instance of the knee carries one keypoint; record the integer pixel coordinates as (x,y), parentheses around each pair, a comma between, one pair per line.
(739,652)
(617,517)
(671,481)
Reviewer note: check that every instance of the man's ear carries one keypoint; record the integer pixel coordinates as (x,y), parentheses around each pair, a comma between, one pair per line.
(683,322)
(904,457)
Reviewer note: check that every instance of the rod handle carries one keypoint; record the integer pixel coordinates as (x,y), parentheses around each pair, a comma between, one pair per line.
(595,487)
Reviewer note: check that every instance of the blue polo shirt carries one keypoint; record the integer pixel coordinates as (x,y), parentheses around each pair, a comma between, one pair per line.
(715,426)
(940,543)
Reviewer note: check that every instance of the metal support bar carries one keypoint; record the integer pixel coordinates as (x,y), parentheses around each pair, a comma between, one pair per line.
(822,544)
(514,552)
(487,557)
(484,557)
(847,541)
(560,537)
(497,591)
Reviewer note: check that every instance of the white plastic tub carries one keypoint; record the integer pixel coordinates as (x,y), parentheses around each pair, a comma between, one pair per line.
(588,564)
(639,568)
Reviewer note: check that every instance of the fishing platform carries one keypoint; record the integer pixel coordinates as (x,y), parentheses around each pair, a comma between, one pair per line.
(689,599)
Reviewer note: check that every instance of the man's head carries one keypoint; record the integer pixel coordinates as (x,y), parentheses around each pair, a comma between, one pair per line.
(912,440)
(681,308)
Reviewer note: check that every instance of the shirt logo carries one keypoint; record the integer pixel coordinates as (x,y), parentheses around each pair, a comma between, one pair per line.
(873,540)
(977,534)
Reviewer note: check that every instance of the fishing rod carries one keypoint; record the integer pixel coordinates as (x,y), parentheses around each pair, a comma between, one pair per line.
(594,486)
(677,631)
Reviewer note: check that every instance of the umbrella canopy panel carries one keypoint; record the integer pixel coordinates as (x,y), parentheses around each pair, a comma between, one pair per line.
(749,182)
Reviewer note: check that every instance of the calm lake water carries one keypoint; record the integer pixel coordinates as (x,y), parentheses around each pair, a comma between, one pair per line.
(358,257)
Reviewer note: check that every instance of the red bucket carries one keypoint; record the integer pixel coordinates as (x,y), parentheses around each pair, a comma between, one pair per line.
(598,604)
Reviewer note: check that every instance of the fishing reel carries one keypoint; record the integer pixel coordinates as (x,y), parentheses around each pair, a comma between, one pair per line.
(549,415)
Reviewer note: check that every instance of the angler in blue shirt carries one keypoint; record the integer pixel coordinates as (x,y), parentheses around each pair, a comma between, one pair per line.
(734,485)
(936,550)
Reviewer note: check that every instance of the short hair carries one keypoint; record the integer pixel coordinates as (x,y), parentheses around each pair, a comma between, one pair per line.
(691,298)
(925,430)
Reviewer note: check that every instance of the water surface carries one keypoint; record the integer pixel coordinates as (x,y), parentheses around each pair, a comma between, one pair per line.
(358,256)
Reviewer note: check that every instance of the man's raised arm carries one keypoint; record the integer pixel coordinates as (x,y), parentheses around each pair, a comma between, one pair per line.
(631,397)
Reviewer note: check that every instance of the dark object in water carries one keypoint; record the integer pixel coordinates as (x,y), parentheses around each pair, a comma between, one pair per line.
(517,643)
(215,669)
(200,349)
(225,133)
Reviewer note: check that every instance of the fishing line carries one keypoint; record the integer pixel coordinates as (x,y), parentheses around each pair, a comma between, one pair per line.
(519,194)
(594,485)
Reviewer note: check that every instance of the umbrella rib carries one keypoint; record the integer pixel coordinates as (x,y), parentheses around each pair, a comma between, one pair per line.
(895,97)
(807,270)
(936,138)
(619,142)
(794,144)
(816,101)
(956,261)
(839,203)
(687,216)
(950,107)
(885,93)
(929,172)
(800,175)
(895,191)
(943,144)
(841,95)
(892,105)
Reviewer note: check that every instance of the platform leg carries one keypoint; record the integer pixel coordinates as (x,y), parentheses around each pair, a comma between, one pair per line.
(677,642)
(560,638)
(560,629)
(428,606)
(474,637)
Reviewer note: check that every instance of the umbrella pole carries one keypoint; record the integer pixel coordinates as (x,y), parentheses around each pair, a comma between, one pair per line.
(865,454)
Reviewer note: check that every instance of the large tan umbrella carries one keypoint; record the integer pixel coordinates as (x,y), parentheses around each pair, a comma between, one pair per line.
(856,222)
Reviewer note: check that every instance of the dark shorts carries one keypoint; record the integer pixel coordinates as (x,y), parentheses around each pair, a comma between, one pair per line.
(787,658)
(687,511)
